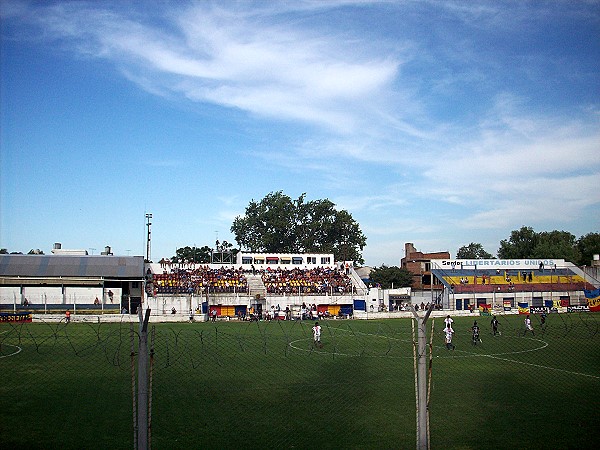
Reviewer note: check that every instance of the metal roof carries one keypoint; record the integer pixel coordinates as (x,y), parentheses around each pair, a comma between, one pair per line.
(99,266)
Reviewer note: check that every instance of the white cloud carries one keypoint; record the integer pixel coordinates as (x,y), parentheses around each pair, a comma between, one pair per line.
(237,59)
(383,124)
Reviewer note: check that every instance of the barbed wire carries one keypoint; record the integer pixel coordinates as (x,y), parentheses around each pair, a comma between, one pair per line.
(217,372)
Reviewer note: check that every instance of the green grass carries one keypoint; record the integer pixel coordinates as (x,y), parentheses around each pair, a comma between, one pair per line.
(249,385)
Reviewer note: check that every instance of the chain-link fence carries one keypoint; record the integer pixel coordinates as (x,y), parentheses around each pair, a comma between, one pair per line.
(238,384)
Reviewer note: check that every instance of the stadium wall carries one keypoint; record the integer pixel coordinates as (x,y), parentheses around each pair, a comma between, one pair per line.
(57,295)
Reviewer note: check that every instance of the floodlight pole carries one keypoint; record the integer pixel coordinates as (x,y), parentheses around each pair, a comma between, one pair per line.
(423,413)
(148,239)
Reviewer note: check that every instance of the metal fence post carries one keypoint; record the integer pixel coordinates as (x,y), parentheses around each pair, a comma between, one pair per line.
(422,408)
(143,382)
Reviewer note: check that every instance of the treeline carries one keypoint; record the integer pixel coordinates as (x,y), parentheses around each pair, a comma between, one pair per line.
(527,243)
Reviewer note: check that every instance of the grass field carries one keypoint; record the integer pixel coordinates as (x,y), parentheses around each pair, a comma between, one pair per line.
(264,385)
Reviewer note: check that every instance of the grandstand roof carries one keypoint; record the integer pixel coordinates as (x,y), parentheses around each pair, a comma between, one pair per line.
(72,266)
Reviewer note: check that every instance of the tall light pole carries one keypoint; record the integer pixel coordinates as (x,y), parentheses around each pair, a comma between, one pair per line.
(148,223)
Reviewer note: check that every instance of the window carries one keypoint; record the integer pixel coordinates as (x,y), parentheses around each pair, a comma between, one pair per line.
(259,260)
(246,259)
(311,260)
(272,260)
(297,260)
(286,261)
(325,260)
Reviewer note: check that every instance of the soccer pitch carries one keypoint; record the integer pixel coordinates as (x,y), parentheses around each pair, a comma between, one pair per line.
(265,385)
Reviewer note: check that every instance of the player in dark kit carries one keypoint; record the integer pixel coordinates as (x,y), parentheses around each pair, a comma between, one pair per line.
(495,324)
(543,320)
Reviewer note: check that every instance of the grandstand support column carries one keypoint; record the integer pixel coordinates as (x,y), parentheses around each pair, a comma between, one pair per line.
(423,412)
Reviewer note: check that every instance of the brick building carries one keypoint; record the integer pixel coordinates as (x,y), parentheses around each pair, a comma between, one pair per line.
(419,264)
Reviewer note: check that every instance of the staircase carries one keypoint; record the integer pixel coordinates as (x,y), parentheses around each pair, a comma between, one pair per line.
(256,286)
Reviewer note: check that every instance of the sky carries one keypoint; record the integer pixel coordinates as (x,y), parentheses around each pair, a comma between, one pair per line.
(438,123)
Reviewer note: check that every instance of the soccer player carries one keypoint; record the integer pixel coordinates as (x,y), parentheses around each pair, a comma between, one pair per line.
(495,324)
(448,321)
(449,332)
(475,330)
(317,334)
(528,326)
(543,320)
(68,316)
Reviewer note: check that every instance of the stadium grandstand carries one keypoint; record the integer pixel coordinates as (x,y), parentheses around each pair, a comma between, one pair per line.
(257,285)
(505,284)
(283,286)
(76,282)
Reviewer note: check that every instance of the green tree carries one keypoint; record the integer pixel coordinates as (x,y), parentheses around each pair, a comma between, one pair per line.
(391,276)
(279,224)
(520,245)
(193,254)
(526,243)
(588,246)
(473,251)
(3,251)
(268,225)
(556,244)
(36,251)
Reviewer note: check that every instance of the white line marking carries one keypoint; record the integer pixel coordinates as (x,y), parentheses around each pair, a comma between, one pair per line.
(544,367)
(468,355)
(14,353)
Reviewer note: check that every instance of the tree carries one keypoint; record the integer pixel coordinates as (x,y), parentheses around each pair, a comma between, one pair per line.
(391,276)
(526,243)
(588,246)
(193,254)
(520,245)
(36,251)
(556,244)
(279,224)
(473,251)
(3,251)
(268,225)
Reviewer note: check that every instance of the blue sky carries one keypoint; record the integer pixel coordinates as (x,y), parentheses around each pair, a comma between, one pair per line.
(432,122)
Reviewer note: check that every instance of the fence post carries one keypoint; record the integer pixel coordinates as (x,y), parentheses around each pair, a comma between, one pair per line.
(143,382)
(422,408)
